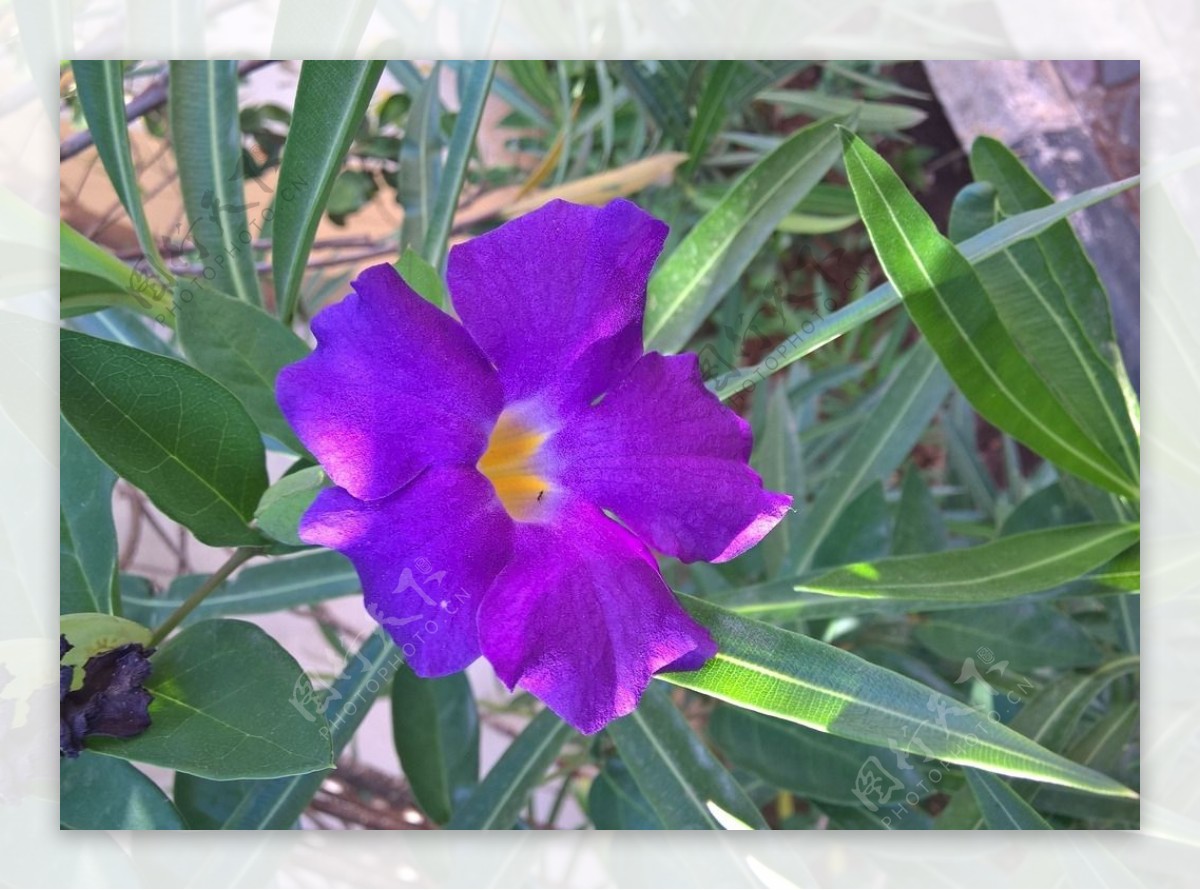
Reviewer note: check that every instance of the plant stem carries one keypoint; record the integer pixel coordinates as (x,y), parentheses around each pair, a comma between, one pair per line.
(188,605)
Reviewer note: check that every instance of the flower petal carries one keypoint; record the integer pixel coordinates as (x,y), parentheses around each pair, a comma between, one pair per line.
(556,298)
(662,453)
(394,385)
(581,618)
(425,556)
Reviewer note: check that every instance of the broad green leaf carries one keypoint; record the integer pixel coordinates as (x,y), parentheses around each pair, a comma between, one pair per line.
(712,256)
(300,580)
(102,794)
(243,349)
(919,525)
(1050,298)
(1009,567)
(284,503)
(497,801)
(904,407)
(278,803)
(91,278)
(422,277)
(206,136)
(87,539)
(420,163)
(435,725)
(331,99)
(872,116)
(811,764)
(678,775)
(880,299)
(100,86)
(212,716)
(615,802)
(787,675)
(91,633)
(1002,808)
(1026,635)
(946,298)
(861,532)
(710,111)
(176,434)
(780,462)
(475,82)
(205,804)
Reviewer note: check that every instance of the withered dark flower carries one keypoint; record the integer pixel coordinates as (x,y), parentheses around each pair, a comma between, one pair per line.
(112,700)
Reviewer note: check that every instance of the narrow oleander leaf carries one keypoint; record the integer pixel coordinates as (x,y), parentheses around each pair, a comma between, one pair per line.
(1026,635)
(919,527)
(1050,298)
(1002,808)
(812,764)
(497,801)
(974,211)
(797,678)
(331,99)
(691,281)
(1051,714)
(884,297)
(475,83)
(872,116)
(242,348)
(615,802)
(206,137)
(710,110)
(946,298)
(780,462)
(87,542)
(205,804)
(860,533)
(905,406)
(678,775)
(1102,745)
(102,794)
(212,717)
(420,163)
(90,279)
(100,85)
(1009,567)
(279,803)
(301,580)
(435,725)
(173,432)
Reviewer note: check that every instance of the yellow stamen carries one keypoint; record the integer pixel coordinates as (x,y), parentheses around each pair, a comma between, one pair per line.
(509,463)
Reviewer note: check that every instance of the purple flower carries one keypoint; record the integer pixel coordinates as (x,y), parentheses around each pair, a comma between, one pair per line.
(479,463)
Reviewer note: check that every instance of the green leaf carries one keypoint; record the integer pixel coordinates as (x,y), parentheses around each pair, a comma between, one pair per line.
(206,136)
(1009,567)
(872,116)
(87,542)
(331,99)
(1002,808)
(300,580)
(91,633)
(435,725)
(243,349)
(1026,635)
(689,284)
(859,818)
(710,111)
(100,86)
(422,277)
(278,803)
(812,764)
(615,802)
(919,525)
(861,531)
(420,162)
(176,434)
(205,804)
(91,278)
(1051,715)
(974,211)
(880,299)
(1050,298)
(797,678)
(946,298)
(678,775)
(284,503)
(497,801)
(102,794)
(781,464)
(904,407)
(213,717)
(475,82)
(1102,745)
